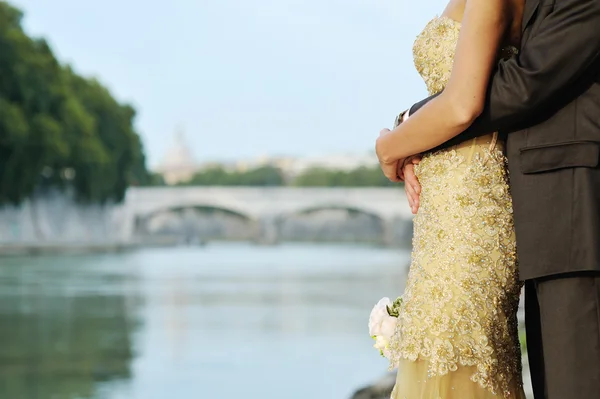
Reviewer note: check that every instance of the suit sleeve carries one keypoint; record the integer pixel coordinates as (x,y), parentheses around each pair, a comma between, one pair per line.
(563,50)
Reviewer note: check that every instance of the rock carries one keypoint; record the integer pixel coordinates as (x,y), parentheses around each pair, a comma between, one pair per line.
(381,389)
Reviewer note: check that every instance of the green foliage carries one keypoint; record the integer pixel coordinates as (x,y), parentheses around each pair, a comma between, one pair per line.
(58,129)
(394,310)
(359,177)
(154,179)
(272,176)
(218,176)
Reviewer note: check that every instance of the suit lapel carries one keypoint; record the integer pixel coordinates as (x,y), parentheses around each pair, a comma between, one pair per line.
(531,7)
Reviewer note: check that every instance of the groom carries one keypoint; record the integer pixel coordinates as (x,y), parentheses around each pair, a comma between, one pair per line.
(547,102)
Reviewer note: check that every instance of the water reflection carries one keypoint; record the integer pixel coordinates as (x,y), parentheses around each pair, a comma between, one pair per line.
(64,334)
(222,321)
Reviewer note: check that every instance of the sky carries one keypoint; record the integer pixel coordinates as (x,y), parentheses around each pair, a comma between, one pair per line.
(245,78)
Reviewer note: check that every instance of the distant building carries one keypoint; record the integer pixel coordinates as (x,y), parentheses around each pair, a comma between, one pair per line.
(179,164)
(344,162)
(293,166)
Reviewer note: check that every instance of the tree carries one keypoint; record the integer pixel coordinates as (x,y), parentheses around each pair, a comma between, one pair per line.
(218,176)
(272,176)
(359,177)
(58,129)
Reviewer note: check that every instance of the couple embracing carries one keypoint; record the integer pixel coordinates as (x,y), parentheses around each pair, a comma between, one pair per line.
(515,87)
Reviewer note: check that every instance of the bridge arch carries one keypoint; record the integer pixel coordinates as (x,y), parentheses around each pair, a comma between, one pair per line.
(199,207)
(342,207)
(179,206)
(303,210)
(195,222)
(269,209)
(351,224)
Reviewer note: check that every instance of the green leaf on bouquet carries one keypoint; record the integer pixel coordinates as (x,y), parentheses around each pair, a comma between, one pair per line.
(394,310)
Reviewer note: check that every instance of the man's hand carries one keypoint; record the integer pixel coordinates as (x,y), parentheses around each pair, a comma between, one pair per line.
(390,170)
(411,183)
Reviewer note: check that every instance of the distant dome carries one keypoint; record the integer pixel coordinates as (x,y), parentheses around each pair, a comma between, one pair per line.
(178,154)
(178,163)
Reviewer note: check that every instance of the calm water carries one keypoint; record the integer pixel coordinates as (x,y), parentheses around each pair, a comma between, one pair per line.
(219,322)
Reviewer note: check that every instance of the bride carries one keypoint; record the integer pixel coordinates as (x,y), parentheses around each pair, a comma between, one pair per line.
(457,334)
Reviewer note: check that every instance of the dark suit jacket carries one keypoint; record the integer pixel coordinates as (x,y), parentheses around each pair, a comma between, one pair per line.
(547,101)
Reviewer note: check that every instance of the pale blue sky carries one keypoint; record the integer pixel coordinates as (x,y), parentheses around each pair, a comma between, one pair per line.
(246,78)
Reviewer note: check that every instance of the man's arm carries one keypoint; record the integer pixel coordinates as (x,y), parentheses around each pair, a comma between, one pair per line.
(551,62)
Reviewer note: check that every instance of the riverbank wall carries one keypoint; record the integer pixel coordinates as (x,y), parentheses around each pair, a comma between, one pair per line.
(55,222)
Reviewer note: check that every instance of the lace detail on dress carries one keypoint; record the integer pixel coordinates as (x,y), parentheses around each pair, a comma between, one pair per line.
(433,52)
(462,294)
(463,289)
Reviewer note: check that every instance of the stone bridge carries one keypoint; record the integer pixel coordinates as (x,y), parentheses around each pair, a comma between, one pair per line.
(266,205)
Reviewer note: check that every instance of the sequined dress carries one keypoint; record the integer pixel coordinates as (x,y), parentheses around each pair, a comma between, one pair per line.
(457,335)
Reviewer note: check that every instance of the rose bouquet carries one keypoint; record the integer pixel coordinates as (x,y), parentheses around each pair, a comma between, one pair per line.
(382,323)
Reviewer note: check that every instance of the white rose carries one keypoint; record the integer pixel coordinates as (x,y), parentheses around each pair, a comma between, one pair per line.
(388,327)
(378,315)
(381,344)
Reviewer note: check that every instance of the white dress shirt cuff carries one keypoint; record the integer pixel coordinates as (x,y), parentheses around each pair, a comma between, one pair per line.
(405,116)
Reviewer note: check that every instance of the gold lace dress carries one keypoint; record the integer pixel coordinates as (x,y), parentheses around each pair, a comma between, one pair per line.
(457,334)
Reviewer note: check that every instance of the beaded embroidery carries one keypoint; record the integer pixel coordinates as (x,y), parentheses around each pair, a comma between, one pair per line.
(462,294)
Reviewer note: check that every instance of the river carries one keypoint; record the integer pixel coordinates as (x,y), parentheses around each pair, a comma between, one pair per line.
(222,321)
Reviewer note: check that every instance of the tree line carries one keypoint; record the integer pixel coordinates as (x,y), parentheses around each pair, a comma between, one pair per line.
(272,176)
(59,129)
